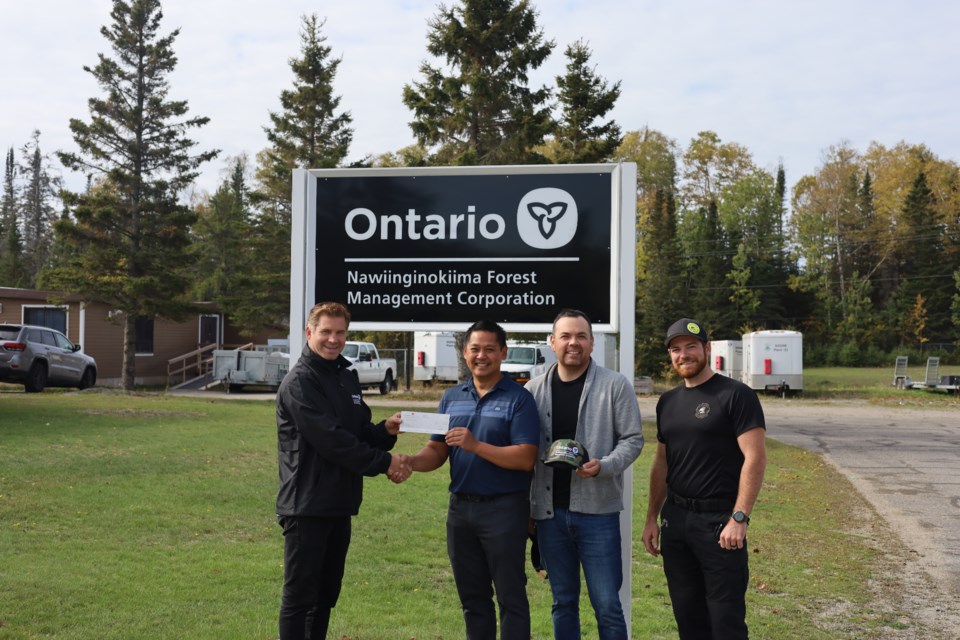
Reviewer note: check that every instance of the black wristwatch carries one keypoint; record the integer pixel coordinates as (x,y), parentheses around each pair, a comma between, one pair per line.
(741,517)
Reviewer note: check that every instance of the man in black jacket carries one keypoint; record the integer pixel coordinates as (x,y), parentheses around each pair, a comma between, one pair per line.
(325,445)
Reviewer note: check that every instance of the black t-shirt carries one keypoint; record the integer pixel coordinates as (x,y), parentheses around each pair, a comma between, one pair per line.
(699,427)
(566,411)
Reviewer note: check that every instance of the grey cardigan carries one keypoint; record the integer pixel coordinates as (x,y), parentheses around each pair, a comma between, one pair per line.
(608,425)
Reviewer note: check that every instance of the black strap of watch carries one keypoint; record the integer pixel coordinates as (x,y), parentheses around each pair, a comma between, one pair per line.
(741,517)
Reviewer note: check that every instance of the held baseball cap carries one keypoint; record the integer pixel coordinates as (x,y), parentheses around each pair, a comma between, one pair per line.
(686,327)
(566,451)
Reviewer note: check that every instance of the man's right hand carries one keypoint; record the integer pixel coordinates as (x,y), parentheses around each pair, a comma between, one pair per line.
(400,468)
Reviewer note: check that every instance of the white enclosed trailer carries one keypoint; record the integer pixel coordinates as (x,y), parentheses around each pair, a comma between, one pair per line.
(727,358)
(435,356)
(773,361)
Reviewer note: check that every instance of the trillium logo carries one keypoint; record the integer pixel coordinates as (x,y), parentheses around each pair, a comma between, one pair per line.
(547,218)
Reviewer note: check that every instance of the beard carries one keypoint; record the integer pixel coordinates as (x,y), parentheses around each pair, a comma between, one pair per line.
(690,367)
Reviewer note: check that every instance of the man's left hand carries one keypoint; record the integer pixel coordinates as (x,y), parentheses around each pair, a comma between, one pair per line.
(461,437)
(589,469)
(733,535)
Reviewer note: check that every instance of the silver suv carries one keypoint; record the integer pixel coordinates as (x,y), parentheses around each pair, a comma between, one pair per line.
(37,357)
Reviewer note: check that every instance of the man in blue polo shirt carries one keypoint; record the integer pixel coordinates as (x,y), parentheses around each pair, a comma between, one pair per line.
(492,447)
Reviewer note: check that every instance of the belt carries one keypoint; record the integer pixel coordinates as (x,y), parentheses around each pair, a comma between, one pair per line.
(475,497)
(708,505)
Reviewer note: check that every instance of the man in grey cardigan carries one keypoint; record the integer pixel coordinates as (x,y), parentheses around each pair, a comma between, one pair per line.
(576,509)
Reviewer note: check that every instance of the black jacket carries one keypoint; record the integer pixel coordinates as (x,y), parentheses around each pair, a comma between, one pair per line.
(325,440)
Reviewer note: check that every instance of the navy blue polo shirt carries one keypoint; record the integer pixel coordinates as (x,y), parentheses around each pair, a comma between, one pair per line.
(506,415)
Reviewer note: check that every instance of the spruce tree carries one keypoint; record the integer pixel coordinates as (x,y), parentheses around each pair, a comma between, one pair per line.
(707,261)
(129,228)
(781,196)
(13,273)
(220,235)
(480,109)
(8,199)
(658,288)
(580,135)
(8,208)
(309,132)
(923,273)
(38,207)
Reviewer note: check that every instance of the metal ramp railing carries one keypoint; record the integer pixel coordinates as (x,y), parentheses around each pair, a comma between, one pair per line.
(900,372)
(932,377)
(190,366)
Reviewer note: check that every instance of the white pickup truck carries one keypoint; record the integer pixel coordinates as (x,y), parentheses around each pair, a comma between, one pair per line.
(372,370)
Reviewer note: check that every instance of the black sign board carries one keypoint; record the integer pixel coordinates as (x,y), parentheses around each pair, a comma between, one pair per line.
(450,248)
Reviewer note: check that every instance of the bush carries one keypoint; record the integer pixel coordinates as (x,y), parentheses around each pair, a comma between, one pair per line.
(874,356)
(849,355)
(814,355)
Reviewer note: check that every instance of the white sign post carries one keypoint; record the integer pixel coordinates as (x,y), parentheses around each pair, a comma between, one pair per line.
(437,248)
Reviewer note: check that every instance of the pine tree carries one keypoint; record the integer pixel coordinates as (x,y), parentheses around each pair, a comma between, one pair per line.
(481,110)
(579,135)
(130,229)
(309,132)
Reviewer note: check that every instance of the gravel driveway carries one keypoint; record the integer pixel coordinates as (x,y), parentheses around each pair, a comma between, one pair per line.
(906,462)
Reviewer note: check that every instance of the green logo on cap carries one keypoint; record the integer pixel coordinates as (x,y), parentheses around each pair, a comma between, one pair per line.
(693,328)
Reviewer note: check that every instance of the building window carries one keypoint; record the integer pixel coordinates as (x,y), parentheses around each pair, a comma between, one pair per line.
(144,336)
(50,317)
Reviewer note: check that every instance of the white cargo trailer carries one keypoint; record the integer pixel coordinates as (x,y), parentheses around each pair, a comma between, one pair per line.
(435,356)
(727,358)
(773,361)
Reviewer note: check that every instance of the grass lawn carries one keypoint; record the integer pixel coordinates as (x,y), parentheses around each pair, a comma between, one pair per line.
(842,379)
(151,517)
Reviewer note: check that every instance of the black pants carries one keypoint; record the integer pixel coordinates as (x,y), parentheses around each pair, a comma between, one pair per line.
(707,584)
(487,544)
(314,554)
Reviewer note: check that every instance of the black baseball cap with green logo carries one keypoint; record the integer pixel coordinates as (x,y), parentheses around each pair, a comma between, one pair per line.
(686,327)
(566,451)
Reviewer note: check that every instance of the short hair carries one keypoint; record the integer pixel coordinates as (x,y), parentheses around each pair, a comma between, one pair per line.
(333,309)
(488,326)
(572,313)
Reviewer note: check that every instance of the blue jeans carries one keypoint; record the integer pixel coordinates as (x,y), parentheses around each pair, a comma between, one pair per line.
(568,541)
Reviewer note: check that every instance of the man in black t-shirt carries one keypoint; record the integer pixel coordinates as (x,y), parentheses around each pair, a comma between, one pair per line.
(704,481)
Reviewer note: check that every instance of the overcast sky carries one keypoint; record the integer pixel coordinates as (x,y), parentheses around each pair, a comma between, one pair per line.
(785,79)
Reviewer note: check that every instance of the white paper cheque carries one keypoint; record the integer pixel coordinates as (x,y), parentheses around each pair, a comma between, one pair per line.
(420,422)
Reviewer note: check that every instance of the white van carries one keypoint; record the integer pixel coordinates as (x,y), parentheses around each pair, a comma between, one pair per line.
(527,360)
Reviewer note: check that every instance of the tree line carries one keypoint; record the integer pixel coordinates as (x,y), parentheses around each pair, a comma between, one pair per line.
(863,256)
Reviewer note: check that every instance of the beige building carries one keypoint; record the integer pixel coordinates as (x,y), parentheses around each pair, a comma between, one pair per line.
(166,350)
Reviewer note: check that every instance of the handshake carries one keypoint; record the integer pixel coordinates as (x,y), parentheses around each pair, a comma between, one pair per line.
(401,467)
